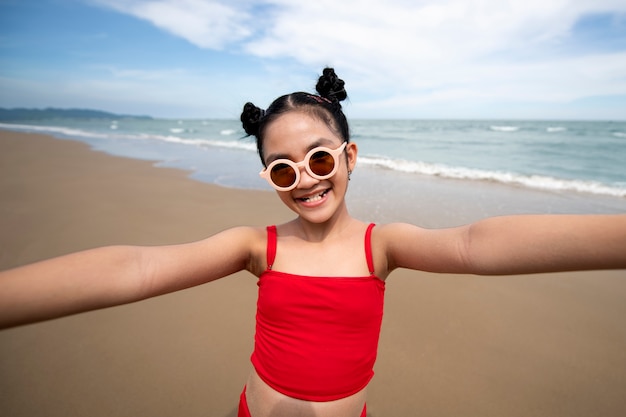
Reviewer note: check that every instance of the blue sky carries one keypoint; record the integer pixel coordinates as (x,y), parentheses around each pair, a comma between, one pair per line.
(489,59)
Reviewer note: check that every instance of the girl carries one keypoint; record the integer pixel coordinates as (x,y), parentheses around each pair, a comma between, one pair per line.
(322,275)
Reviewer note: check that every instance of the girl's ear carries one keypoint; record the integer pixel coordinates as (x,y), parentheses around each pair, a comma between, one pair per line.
(351,152)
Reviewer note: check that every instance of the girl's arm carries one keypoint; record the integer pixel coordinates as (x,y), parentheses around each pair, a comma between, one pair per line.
(116,275)
(512,245)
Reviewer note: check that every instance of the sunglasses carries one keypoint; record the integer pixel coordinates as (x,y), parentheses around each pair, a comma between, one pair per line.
(320,163)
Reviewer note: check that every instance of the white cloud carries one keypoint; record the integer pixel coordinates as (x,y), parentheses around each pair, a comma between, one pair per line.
(423,53)
(398,33)
(207,24)
(439,31)
(428,51)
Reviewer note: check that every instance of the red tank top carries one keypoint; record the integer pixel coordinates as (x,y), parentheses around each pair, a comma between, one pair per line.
(317,337)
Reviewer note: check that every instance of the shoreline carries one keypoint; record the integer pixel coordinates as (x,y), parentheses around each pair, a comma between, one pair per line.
(548,344)
(375,194)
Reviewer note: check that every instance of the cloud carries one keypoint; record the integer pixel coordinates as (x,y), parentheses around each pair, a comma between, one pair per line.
(428,31)
(403,37)
(207,24)
(410,51)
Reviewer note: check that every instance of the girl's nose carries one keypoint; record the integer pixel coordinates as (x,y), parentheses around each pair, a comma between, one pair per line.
(306,180)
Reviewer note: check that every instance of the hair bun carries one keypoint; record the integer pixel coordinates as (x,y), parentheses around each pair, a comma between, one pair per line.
(330,86)
(251,118)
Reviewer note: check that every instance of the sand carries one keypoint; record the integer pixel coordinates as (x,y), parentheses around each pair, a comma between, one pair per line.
(451,345)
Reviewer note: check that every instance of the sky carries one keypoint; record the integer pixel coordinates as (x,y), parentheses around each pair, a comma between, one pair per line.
(415,59)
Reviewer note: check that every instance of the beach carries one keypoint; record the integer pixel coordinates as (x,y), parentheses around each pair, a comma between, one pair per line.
(451,345)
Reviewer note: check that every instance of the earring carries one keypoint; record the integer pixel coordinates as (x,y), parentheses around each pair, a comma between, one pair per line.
(349,173)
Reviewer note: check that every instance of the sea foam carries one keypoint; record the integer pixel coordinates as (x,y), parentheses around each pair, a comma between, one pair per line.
(462,173)
(533,144)
(65,131)
(504,128)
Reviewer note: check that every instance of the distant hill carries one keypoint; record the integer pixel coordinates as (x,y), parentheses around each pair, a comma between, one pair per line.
(52,113)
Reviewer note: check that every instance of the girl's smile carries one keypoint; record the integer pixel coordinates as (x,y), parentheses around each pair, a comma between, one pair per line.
(313,200)
(317,197)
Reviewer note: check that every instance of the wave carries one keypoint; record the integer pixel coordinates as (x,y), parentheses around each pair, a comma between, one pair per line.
(201,143)
(509,178)
(65,131)
(78,133)
(504,128)
(619,134)
(555,129)
(423,168)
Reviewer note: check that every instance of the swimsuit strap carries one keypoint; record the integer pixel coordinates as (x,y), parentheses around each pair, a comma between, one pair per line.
(368,248)
(271,246)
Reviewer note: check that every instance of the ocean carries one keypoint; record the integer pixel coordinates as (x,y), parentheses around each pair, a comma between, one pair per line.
(406,168)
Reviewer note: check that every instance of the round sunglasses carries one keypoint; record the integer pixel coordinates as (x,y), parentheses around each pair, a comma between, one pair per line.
(320,163)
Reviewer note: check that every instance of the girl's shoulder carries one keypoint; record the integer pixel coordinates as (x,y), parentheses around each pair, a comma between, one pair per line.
(252,239)
(393,232)
(396,240)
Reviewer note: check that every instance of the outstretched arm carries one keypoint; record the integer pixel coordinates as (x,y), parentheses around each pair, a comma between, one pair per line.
(513,245)
(116,275)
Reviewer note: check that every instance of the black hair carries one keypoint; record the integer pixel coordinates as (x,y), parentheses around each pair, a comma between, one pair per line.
(326,107)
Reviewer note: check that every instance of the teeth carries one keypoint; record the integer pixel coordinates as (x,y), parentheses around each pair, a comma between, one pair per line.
(314,198)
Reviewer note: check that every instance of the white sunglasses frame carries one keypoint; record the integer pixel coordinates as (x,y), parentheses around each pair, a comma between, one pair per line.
(266,173)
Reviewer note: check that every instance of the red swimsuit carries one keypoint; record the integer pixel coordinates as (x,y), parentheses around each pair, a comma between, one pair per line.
(317,337)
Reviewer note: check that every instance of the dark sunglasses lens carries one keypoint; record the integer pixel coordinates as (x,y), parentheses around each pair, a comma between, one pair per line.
(322,163)
(283,175)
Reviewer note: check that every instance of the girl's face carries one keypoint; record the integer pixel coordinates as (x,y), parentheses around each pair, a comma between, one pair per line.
(292,136)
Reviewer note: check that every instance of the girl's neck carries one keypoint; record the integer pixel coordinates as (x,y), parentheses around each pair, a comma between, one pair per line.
(318,232)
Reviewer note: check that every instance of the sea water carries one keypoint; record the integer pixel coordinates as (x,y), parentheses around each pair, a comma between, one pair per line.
(560,165)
